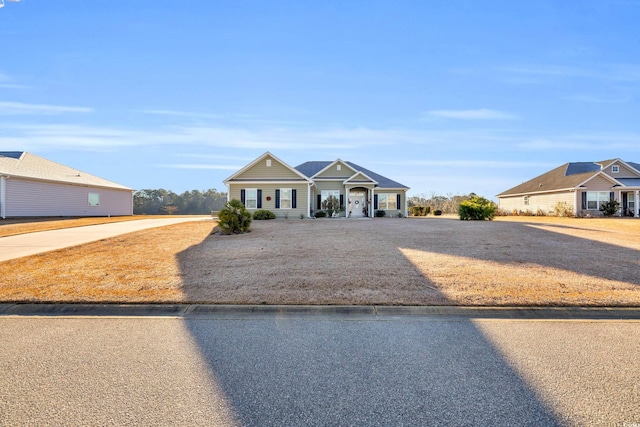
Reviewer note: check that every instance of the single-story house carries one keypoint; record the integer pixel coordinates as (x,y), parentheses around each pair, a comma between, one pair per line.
(269,183)
(584,186)
(32,186)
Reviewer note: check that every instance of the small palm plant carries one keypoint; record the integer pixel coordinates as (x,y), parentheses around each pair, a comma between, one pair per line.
(234,218)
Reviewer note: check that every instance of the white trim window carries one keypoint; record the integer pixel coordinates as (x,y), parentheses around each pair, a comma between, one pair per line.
(526,200)
(285,198)
(325,194)
(596,198)
(387,201)
(251,198)
(615,169)
(94,199)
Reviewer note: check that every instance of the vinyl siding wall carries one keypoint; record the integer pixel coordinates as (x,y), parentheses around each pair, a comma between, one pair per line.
(537,202)
(260,171)
(37,198)
(269,190)
(333,172)
(623,173)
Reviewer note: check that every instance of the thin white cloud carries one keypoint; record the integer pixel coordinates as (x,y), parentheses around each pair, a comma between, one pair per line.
(200,166)
(480,114)
(492,164)
(20,108)
(186,114)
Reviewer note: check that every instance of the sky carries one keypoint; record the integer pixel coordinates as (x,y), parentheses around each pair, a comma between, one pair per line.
(446,97)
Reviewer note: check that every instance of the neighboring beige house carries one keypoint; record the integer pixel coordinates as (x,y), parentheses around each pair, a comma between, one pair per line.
(583,186)
(31,186)
(269,183)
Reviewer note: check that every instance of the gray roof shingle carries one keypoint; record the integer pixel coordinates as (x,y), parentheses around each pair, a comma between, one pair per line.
(311,168)
(27,165)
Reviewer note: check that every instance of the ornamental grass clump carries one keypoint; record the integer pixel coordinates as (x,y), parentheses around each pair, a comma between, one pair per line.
(477,208)
(234,218)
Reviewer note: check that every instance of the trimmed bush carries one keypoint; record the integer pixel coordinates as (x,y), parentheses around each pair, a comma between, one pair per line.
(420,210)
(263,214)
(477,208)
(610,208)
(437,212)
(321,214)
(380,213)
(234,218)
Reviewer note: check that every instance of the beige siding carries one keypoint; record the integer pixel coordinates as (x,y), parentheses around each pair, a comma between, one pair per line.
(260,171)
(270,191)
(537,202)
(599,184)
(37,198)
(624,172)
(333,172)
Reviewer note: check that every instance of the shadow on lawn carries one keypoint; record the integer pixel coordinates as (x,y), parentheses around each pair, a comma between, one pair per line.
(306,370)
(495,242)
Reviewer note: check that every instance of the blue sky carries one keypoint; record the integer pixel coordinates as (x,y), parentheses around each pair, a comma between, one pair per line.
(446,97)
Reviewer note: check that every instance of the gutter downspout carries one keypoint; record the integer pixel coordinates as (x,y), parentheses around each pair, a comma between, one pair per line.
(3,197)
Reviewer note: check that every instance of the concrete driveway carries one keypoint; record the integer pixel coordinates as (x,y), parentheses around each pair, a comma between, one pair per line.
(43,241)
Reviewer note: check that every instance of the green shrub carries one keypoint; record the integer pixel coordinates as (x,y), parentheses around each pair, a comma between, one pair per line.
(321,214)
(610,208)
(263,214)
(380,213)
(420,210)
(477,208)
(234,218)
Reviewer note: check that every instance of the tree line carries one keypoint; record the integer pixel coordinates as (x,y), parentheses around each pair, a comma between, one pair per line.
(166,202)
(448,204)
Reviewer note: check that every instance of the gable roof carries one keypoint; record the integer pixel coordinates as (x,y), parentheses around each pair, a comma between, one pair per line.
(22,164)
(312,168)
(567,176)
(258,160)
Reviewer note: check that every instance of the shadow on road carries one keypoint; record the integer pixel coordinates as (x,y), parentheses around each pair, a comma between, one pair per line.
(297,370)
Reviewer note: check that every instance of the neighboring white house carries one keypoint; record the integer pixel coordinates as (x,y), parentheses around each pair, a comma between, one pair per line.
(31,186)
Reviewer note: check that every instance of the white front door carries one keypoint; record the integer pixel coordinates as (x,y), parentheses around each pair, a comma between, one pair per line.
(356,206)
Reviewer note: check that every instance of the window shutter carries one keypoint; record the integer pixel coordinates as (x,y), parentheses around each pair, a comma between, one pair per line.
(584,200)
(375,201)
(625,201)
(612,196)
(277,199)
(398,202)
(294,202)
(242,196)
(319,202)
(259,203)
(341,201)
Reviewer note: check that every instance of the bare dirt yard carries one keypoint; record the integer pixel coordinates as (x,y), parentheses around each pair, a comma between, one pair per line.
(416,261)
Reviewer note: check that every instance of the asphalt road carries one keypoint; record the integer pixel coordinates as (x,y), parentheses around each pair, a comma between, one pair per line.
(335,370)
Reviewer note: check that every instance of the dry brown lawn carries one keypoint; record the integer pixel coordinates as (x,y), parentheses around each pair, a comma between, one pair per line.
(416,261)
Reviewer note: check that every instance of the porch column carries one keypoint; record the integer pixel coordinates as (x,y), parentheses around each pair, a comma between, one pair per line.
(371,208)
(309,201)
(347,210)
(636,199)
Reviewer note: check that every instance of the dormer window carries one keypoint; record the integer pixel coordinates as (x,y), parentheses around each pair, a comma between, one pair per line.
(268,163)
(615,169)
(339,167)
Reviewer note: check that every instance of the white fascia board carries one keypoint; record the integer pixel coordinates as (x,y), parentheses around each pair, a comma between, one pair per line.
(371,181)
(559,190)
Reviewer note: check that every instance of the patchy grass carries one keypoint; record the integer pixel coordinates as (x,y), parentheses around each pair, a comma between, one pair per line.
(416,261)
